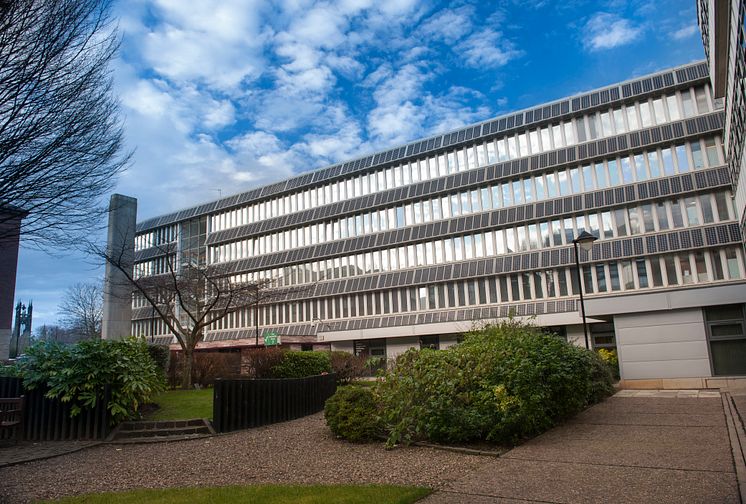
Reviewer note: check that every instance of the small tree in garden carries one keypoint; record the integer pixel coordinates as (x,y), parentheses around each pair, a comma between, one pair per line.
(191,297)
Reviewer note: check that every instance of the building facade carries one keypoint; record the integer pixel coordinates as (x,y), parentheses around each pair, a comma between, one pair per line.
(723,27)
(415,245)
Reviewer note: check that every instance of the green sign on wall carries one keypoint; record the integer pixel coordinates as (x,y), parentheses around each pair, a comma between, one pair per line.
(271,338)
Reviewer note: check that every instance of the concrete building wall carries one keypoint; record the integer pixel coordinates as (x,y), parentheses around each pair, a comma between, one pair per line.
(343,346)
(576,336)
(447,341)
(667,344)
(120,242)
(397,346)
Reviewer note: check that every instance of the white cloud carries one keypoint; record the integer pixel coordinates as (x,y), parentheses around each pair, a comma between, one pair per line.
(487,49)
(218,44)
(685,32)
(606,31)
(448,25)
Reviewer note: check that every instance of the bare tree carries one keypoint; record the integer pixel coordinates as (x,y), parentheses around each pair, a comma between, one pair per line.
(190,297)
(56,333)
(82,309)
(60,130)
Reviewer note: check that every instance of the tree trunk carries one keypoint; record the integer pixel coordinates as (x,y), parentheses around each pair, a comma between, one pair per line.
(186,373)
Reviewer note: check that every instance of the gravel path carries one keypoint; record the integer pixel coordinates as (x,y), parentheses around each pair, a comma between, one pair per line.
(300,451)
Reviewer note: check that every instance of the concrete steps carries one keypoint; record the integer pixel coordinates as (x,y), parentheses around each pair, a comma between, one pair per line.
(147,431)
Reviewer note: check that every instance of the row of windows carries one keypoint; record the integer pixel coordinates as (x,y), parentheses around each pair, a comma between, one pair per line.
(600,124)
(667,270)
(610,173)
(157,237)
(612,223)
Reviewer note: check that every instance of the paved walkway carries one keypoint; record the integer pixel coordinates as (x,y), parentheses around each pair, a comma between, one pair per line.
(12,454)
(636,447)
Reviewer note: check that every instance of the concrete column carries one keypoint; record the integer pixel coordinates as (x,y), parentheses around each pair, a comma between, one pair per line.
(120,244)
(10,227)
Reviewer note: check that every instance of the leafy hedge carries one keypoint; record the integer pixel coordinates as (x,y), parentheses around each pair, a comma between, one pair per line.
(503,383)
(302,364)
(79,373)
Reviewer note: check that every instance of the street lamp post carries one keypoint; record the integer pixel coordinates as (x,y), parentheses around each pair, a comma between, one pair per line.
(585,240)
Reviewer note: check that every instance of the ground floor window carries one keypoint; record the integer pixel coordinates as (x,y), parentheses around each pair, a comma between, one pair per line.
(432,342)
(727,337)
(374,350)
(602,335)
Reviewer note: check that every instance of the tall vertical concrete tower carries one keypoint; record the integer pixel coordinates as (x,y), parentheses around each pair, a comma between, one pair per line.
(10,229)
(120,243)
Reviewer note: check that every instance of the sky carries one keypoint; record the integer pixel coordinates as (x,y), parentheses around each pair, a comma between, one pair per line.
(220,97)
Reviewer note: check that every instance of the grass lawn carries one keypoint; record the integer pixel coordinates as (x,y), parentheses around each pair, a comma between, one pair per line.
(182,405)
(265,494)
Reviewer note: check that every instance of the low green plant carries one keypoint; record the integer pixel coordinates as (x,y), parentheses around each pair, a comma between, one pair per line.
(611,359)
(161,355)
(9,371)
(302,364)
(351,413)
(79,374)
(503,383)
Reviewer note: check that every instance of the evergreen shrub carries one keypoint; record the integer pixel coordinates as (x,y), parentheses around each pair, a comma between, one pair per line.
(503,383)
(351,413)
(79,374)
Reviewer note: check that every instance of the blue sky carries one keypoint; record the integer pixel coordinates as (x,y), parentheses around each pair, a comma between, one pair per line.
(219,97)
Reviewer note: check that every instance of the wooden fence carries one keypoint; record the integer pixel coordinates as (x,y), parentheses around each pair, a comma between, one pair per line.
(49,419)
(243,403)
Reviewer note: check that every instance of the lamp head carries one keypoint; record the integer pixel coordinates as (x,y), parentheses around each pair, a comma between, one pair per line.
(585,240)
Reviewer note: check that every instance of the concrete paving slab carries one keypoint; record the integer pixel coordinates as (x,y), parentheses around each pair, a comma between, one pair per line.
(581,483)
(692,448)
(607,417)
(664,405)
(443,497)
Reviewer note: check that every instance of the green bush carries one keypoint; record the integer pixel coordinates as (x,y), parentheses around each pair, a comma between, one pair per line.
(8,370)
(79,373)
(504,383)
(351,414)
(161,355)
(610,358)
(302,364)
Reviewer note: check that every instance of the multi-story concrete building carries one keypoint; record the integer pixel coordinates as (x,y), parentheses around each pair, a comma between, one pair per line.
(415,245)
(723,27)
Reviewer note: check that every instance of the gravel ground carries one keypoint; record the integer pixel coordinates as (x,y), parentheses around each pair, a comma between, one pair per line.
(300,451)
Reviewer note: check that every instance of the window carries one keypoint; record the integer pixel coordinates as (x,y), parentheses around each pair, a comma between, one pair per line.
(727,338)
(697,156)
(645,115)
(632,118)
(711,149)
(701,95)
(686,101)
(431,342)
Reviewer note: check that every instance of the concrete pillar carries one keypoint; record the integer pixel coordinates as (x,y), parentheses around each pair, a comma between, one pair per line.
(120,244)
(10,228)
